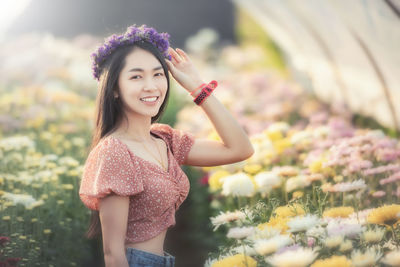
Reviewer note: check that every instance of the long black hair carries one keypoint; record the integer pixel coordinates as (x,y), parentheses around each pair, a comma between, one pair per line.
(109,110)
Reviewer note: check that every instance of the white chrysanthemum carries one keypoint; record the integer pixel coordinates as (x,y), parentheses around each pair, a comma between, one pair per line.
(35,204)
(361,216)
(266,233)
(349,186)
(240,232)
(346,246)
(365,259)
(296,182)
(48,157)
(333,241)
(43,176)
(343,227)
(266,181)
(279,126)
(239,184)
(317,231)
(373,236)
(321,131)
(68,161)
(16,143)
(268,246)
(262,146)
(392,258)
(227,217)
(301,136)
(210,262)
(23,199)
(302,223)
(300,257)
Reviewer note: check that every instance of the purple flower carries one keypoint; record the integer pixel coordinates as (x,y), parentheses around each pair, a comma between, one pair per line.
(132,35)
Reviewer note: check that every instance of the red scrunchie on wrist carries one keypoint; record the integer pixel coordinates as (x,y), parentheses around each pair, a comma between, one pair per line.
(205,92)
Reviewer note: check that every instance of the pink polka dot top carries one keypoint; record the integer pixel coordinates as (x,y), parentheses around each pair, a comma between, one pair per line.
(154,194)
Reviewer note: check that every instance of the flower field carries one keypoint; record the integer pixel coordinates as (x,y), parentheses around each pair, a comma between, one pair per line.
(45,123)
(320,190)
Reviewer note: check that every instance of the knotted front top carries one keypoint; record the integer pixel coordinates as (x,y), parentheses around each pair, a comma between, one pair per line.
(154,194)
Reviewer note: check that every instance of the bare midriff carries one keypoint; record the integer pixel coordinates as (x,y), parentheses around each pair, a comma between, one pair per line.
(154,245)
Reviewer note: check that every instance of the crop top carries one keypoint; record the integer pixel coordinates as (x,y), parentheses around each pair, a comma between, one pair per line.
(154,194)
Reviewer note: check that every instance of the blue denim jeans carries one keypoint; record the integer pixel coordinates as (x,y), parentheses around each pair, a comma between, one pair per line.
(141,258)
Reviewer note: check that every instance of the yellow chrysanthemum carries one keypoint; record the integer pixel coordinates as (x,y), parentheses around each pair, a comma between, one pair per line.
(386,215)
(279,223)
(262,226)
(210,168)
(238,260)
(328,171)
(290,210)
(274,135)
(316,166)
(67,186)
(298,194)
(342,212)
(214,180)
(338,178)
(252,168)
(333,261)
(281,145)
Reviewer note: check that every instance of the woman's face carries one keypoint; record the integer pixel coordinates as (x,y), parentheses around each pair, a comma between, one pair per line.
(141,77)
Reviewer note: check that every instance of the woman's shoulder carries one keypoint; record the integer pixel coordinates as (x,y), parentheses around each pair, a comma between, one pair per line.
(162,127)
(107,146)
(179,141)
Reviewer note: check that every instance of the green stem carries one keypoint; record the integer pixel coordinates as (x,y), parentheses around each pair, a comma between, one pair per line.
(244,252)
(342,198)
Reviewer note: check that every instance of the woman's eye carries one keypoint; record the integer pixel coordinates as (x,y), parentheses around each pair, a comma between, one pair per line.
(133,77)
(159,74)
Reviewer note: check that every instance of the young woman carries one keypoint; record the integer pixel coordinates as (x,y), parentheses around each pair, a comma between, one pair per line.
(132,179)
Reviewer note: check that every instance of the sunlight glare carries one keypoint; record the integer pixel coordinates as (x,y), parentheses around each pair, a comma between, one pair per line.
(9,11)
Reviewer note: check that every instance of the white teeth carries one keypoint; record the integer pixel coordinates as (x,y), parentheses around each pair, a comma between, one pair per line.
(152,99)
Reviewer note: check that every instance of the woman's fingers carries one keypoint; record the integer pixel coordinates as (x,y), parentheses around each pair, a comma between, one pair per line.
(183,54)
(174,55)
(170,65)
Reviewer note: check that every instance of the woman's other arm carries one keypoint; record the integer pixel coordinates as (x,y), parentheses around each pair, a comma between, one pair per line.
(113,211)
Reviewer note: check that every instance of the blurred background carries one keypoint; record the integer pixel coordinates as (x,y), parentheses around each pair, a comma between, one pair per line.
(331,64)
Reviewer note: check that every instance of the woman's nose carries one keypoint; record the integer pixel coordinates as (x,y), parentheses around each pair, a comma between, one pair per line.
(149,84)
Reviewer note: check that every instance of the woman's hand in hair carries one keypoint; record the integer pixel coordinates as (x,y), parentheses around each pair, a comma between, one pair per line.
(183,70)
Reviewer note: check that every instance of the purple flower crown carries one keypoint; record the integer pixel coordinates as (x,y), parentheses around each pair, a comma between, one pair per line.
(132,34)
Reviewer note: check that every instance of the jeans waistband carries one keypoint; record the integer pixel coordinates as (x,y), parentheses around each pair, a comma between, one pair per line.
(166,259)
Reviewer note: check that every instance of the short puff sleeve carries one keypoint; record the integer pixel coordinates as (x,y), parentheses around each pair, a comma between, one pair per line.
(180,141)
(108,169)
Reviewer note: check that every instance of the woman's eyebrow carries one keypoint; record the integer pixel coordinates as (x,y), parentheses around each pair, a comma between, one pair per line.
(139,69)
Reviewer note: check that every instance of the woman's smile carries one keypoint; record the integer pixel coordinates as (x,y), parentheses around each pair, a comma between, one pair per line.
(150,101)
